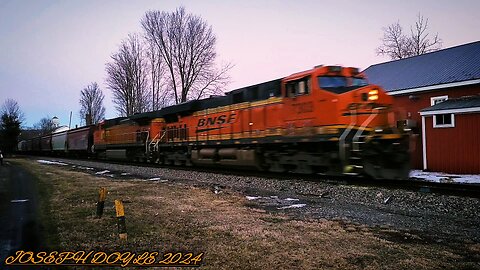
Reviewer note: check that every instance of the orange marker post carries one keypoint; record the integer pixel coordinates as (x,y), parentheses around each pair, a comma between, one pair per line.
(102,194)
(122,228)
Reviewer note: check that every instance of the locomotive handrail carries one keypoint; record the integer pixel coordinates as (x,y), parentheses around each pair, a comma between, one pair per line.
(151,142)
(362,128)
(146,142)
(155,141)
(161,138)
(342,149)
(155,146)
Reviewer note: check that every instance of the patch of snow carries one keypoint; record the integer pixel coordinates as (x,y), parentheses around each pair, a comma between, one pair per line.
(125,173)
(445,177)
(102,172)
(19,201)
(250,198)
(49,162)
(154,179)
(293,206)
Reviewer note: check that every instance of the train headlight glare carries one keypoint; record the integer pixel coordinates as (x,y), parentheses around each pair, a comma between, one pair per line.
(373,94)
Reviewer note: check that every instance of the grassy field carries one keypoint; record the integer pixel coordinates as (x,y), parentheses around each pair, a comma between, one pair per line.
(169,217)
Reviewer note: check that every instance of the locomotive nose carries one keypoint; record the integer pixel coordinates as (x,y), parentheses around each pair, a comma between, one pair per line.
(371,95)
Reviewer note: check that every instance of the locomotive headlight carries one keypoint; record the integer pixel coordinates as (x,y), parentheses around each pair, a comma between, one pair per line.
(373,95)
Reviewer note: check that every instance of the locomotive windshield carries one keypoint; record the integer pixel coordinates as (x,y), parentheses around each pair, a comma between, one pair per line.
(340,84)
(332,82)
(359,82)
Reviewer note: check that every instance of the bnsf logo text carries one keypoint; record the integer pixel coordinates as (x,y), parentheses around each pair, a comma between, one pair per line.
(217,120)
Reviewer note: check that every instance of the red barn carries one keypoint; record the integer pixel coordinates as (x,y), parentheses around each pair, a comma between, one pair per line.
(451,136)
(418,82)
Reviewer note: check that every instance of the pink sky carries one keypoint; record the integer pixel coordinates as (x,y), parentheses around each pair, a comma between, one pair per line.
(51,50)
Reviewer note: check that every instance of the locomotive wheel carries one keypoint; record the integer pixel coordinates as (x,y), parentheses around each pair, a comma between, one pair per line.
(303,168)
(276,167)
(272,162)
(378,172)
(177,162)
(386,161)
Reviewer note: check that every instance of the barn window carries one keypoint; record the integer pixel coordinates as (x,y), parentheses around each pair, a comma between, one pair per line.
(436,100)
(443,120)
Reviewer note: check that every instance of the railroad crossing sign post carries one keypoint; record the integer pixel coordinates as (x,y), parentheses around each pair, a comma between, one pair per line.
(102,194)
(122,228)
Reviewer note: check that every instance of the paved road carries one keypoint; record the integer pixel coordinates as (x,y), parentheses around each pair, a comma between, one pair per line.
(19,227)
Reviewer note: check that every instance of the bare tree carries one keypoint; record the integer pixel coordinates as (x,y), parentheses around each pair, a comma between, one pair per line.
(156,70)
(92,110)
(11,108)
(420,42)
(187,45)
(45,125)
(397,45)
(127,77)
(10,125)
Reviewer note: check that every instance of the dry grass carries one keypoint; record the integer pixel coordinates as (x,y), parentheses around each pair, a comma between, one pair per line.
(172,217)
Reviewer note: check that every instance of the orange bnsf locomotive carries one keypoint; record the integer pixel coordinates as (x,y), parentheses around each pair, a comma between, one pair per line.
(325,120)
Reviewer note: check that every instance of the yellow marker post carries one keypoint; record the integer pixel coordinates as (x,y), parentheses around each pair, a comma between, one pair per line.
(102,194)
(122,228)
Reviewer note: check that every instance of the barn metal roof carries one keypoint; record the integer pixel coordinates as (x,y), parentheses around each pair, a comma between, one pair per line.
(455,103)
(455,64)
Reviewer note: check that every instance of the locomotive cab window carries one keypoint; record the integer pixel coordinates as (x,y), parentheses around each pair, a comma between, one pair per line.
(340,84)
(359,82)
(298,88)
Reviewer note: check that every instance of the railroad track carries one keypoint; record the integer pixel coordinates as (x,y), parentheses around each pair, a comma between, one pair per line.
(457,189)
(413,184)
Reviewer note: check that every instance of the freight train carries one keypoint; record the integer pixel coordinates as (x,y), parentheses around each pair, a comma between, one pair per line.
(326,120)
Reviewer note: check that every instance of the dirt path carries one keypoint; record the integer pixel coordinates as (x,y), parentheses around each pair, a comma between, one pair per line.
(20,229)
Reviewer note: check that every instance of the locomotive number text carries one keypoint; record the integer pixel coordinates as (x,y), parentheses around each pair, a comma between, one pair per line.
(304,107)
